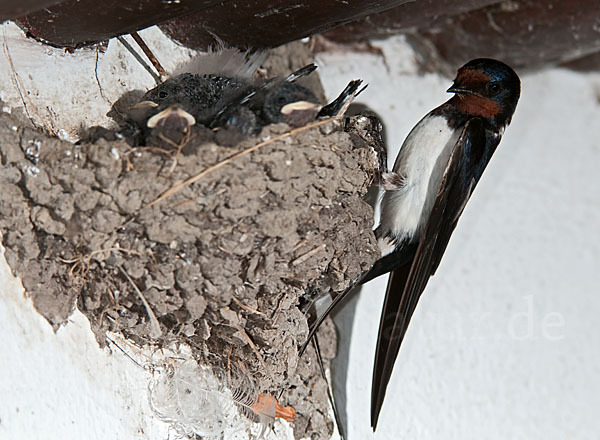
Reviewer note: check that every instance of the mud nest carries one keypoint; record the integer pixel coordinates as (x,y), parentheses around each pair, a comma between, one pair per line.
(222,265)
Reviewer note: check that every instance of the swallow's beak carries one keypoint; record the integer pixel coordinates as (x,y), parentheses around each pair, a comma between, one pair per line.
(299,106)
(457,88)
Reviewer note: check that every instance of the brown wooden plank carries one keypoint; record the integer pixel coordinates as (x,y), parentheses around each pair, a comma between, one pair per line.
(258,23)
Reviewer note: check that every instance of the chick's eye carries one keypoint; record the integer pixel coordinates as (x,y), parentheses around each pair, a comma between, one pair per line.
(281,100)
(493,88)
(162,94)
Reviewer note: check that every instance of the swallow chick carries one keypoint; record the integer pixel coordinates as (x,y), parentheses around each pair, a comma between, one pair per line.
(183,107)
(232,107)
(434,175)
(290,103)
(202,96)
(283,100)
(217,101)
(276,100)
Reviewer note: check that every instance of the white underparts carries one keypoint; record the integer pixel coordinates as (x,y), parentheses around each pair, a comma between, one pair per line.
(411,189)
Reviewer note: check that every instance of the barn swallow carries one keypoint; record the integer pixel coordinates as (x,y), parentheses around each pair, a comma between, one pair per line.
(273,101)
(200,96)
(435,173)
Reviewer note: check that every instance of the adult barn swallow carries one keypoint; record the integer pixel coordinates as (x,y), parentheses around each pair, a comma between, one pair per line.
(435,173)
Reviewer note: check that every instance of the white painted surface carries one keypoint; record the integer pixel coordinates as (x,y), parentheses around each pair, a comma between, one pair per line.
(64,91)
(63,386)
(505,342)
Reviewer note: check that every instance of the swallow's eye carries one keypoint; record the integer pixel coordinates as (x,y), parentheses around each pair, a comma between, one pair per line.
(281,100)
(493,88)
(163,94)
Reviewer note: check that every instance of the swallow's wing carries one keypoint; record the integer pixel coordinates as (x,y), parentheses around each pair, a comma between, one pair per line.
(465,165)
(277,82)
(320,308)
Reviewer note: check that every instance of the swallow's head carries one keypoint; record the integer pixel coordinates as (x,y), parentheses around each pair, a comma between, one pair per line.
(291,103)
(487,88)
(173,90)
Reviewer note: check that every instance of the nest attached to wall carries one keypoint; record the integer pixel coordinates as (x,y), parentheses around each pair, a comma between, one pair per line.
(222,264)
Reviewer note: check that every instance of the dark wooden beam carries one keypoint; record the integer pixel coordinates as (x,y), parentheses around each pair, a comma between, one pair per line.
(77,23)
(17,8)
(523,33)
(446,33)
(256,23)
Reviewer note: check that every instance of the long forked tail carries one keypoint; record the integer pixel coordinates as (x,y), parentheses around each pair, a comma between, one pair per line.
(318,318)
(382,266)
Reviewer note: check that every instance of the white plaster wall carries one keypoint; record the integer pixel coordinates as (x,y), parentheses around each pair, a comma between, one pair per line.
(63,386)
(505,342)
(63,92)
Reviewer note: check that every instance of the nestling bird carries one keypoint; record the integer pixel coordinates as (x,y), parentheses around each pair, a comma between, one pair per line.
(215,101)
(435,173)
(198,97)
(277,100)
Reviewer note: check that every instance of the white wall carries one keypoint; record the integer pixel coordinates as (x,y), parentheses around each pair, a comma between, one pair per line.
(505,342)
(63,386)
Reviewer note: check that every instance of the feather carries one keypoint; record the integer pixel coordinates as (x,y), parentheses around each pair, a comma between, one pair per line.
(208,401)
(224,61)
(268,407)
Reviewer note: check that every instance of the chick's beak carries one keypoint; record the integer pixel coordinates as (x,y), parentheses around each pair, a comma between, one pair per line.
(173,111)
(300,106)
